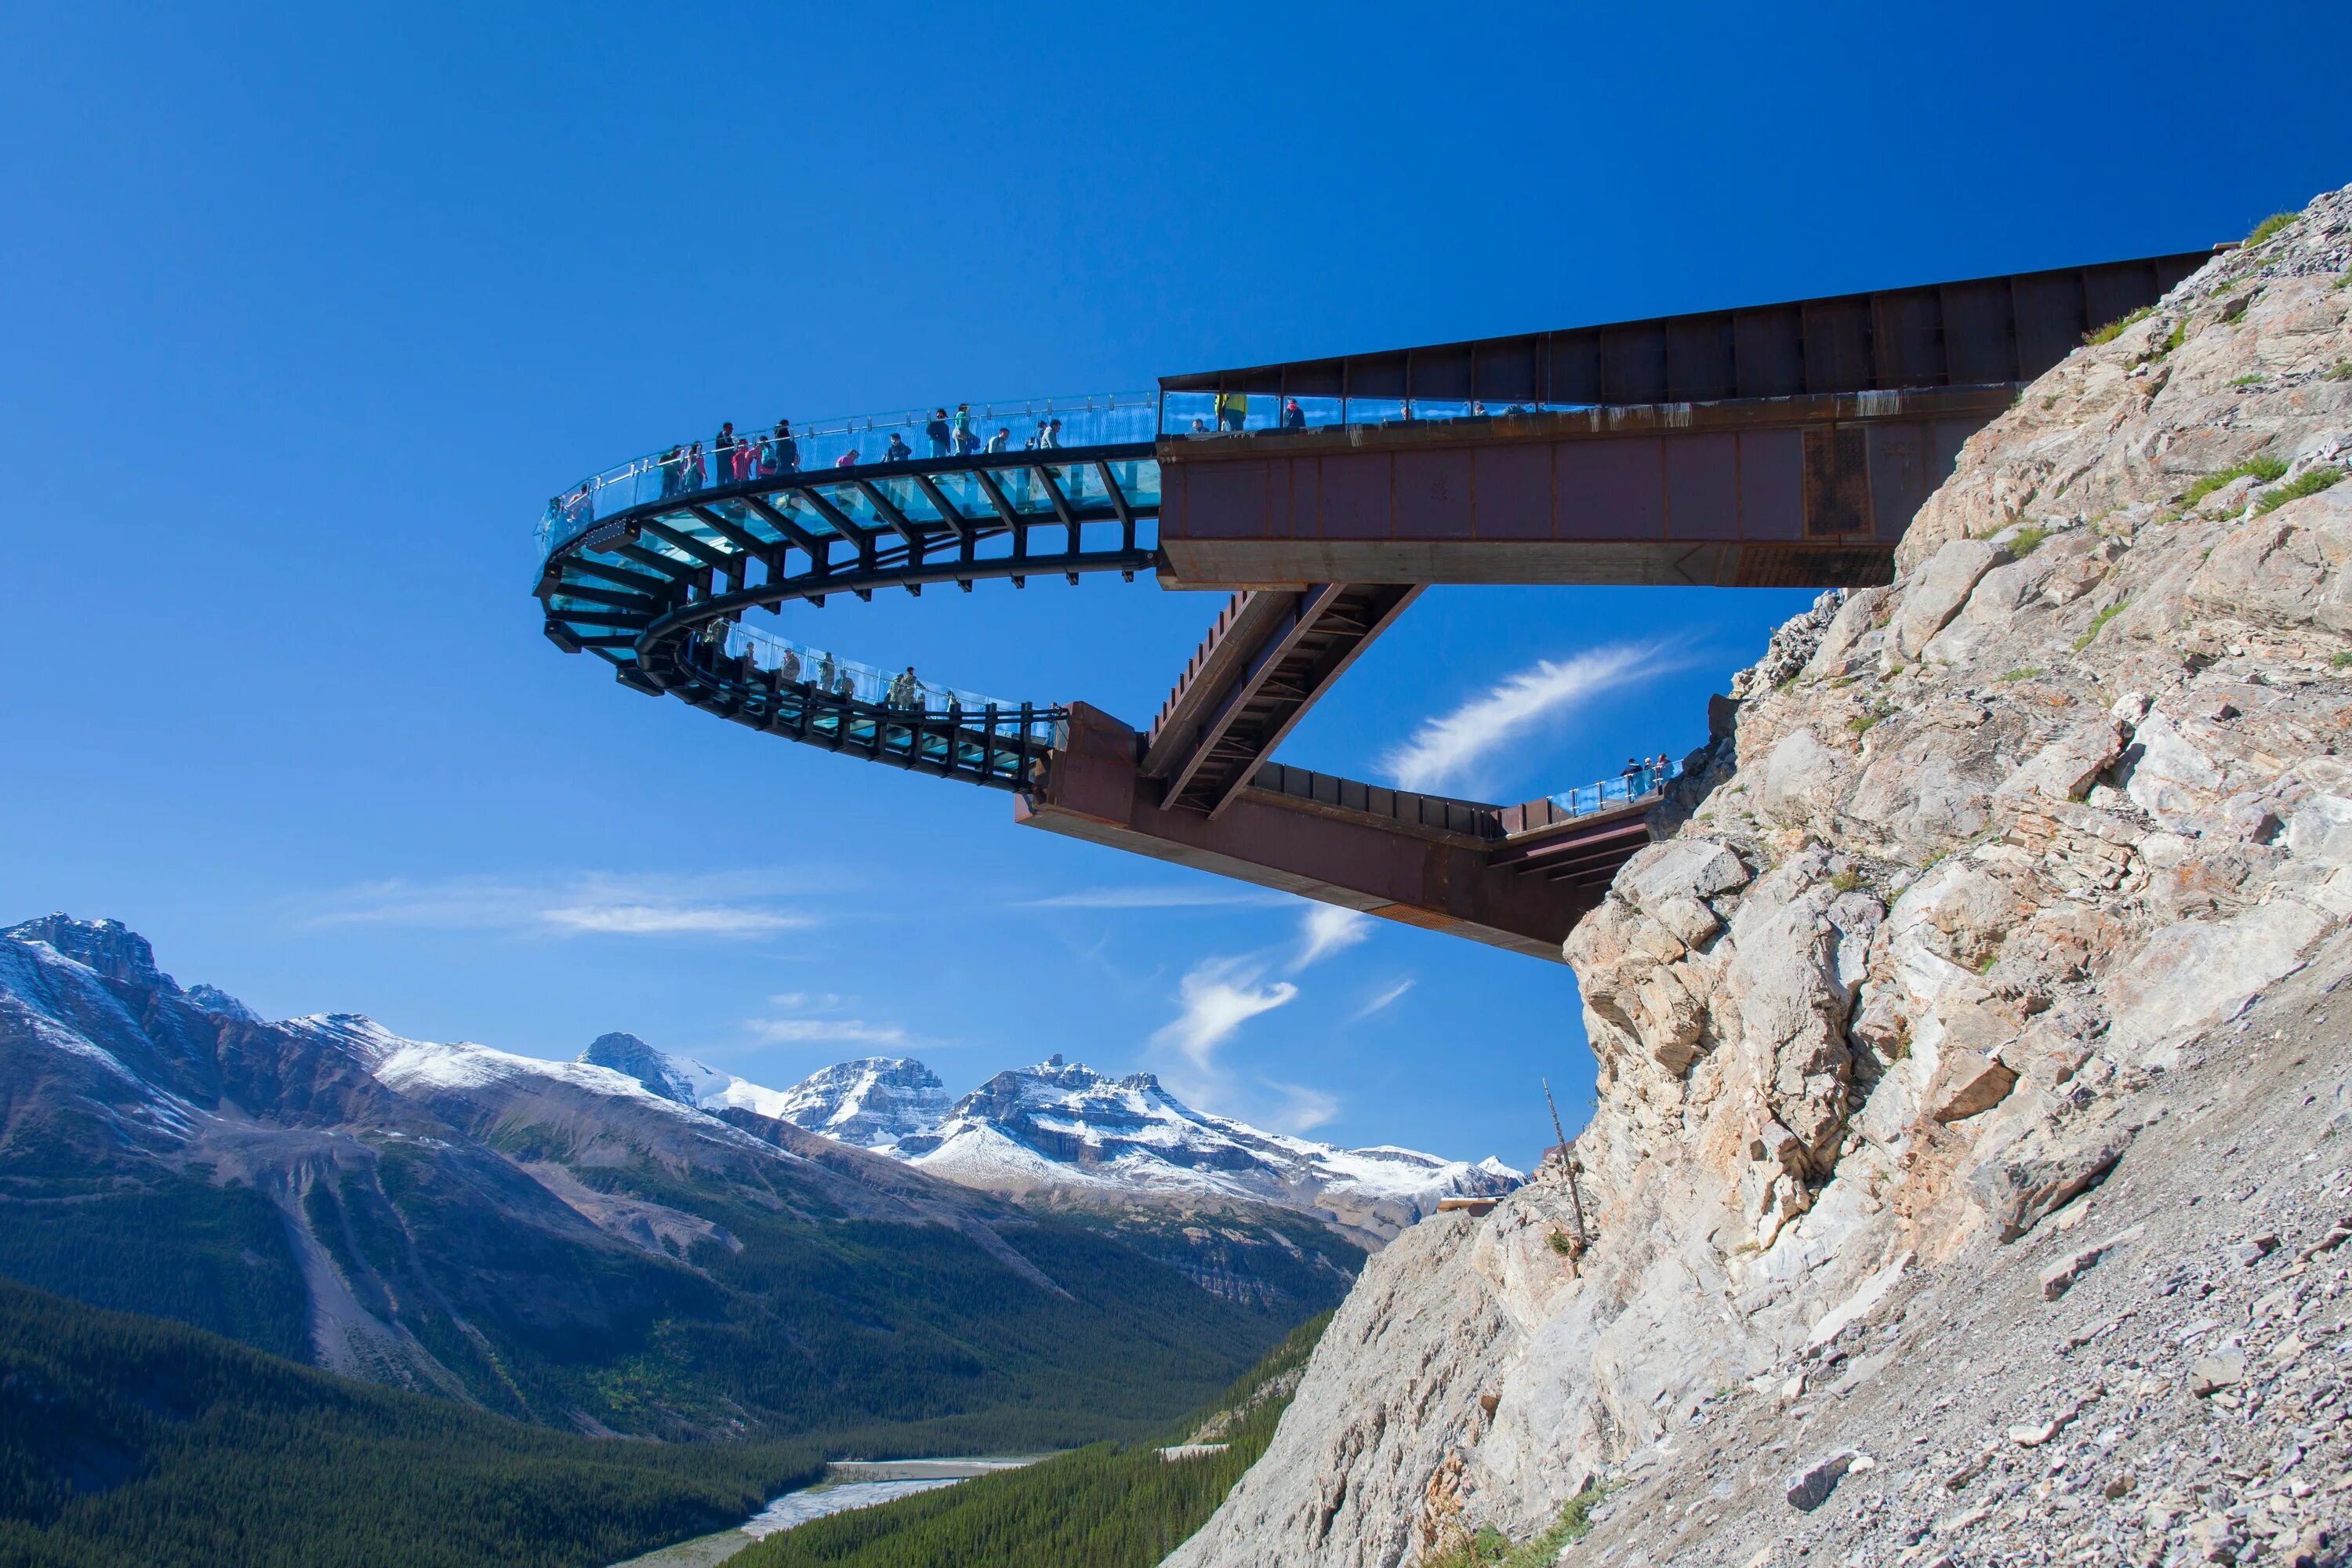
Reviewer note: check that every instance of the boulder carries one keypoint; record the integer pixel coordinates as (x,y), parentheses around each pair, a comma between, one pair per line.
(1811,1487)
(2320,830)
(1936,593)
(1800,778)
(1968,1083)
(2068,765)
(2166,776)
(2285,569)
(1986,624)
(2191,974)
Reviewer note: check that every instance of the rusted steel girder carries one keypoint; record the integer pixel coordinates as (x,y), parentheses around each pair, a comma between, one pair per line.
(1449,866)
(1976,331)
(1780,492)
(1266,661)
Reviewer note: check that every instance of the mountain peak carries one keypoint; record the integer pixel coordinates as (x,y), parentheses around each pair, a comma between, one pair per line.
(109,947)
(213,999)
(633,1058)
(872,1101)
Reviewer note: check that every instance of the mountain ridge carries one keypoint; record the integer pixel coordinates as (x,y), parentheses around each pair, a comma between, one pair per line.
(558,1242)
(1061,1130)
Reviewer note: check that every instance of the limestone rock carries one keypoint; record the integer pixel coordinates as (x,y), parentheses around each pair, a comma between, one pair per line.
(1811,1487)
(2193,974)
(2210,1375)
(1936,595)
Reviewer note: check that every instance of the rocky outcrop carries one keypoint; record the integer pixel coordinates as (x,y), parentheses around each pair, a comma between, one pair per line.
(1986,860)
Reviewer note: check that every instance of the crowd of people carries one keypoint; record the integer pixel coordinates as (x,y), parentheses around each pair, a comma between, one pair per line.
(1643,775)
(828,678)
(732,459)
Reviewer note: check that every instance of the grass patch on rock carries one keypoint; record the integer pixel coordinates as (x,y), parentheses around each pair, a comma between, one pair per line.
(2115,328)
(2309,483)
(2098,624)
(2263,471)
(2271,225)
(1490,1548)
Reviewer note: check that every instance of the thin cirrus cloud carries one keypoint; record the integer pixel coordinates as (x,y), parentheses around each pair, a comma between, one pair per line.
(1151,898)
(825,1031)
(1217,997)
(1298,1107)
(1452,748)
(591,903)
(1328,929)
(1380,1001)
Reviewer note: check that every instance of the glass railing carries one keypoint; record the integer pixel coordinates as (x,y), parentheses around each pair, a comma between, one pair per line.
(808,448)
(823,672)
(1235,413)
(1635,783)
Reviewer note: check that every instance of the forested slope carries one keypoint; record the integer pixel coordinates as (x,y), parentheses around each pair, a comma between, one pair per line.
(1101,1506)
(132,1440)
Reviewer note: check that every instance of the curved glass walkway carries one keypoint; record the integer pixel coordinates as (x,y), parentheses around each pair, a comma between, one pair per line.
(651,564)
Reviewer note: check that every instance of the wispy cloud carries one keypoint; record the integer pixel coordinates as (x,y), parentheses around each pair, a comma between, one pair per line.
(1301,1109)
(1382,1001)
(807,1031)
(730,904)
(647,919)
(1329,928)
(1151,898)
(1218,996)
(1451,747)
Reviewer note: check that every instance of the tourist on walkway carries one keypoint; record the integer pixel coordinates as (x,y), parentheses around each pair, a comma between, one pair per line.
(673,475)
(1002,441)
(966,443)
(694,480)
(1049,436)
(722,453)
(788,451)
(938,431)
(788,668)
(1293,416)
(847,459)
(824,676)
(897,451)
(1233,410)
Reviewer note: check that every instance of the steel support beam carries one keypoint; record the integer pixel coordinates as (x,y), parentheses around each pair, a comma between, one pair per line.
(1435,879)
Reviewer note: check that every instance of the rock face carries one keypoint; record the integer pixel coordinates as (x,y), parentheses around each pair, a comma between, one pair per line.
(1990,865)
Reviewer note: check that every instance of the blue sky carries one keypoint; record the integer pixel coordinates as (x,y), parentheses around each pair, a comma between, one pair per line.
(304,310)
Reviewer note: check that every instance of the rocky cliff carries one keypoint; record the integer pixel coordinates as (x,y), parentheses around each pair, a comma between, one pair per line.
(1954,935)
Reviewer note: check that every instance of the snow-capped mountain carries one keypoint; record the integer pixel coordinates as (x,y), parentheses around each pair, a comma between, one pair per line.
(553,1239)
(1064,1129)
(1062,1125)
(875,1102)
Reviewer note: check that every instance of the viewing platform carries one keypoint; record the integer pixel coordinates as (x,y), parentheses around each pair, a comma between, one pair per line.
(1777,446)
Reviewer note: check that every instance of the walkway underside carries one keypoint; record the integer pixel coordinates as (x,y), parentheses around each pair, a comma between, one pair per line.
(1515,878)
